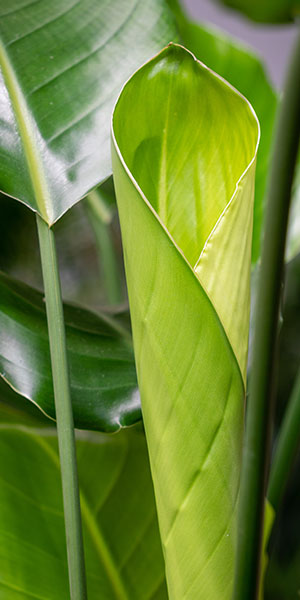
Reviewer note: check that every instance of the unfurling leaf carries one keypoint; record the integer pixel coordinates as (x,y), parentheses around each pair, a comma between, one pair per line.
(241,67)
(184,150)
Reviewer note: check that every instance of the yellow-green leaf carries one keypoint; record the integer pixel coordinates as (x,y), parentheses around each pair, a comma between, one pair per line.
(184,149)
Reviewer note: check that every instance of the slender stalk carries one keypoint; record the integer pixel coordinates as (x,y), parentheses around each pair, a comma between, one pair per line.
(286,447)
(100,218)
(64,415)
(260,406)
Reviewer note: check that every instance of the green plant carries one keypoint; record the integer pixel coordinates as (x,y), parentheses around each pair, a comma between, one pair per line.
(184,151)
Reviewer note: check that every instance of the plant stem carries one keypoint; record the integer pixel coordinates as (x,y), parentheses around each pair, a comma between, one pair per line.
(64,415)
(260,405)
(286,447)
(100,218)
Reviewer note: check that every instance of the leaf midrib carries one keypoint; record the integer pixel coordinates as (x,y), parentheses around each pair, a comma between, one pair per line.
(27,131)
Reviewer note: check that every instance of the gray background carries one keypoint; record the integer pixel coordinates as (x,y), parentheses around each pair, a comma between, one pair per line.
(272,42)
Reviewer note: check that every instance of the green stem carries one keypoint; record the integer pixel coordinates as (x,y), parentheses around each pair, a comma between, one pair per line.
(260,406)
(100,219)
(286,447)
(64,415)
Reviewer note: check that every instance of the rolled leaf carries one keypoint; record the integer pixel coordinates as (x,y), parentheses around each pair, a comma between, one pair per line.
(239,65)
(122,547)
(184,149)
(102,368)
(61,68)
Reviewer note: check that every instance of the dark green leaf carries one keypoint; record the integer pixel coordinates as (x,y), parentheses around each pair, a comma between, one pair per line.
(103,377)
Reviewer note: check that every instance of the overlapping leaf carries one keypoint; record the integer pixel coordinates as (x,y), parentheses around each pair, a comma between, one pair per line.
(184,168)
(62,64)
(122,547)
(103,378)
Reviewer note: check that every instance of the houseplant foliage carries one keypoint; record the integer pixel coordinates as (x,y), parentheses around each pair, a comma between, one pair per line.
(186,218)
(62,66)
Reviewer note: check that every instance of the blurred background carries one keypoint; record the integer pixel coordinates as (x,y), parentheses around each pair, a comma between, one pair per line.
(272,42)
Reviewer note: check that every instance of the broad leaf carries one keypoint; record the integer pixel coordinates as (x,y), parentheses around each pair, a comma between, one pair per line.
(184,148)
(269,11)
(244,70)
(103,378)
(122,546)
(62,64)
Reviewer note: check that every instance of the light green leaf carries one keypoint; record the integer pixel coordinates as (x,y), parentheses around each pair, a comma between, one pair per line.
(184,148)
(62,64)
(103,378)
(269,11)
(245,71)
(122,548)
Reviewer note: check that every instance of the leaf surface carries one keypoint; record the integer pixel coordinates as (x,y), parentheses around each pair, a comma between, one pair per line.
(122,547)
(183,161)
(61,68)
(103,377)
(245,71)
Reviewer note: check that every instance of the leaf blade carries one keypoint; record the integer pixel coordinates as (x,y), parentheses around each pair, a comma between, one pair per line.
(104,387)
(189,377)
(51,151)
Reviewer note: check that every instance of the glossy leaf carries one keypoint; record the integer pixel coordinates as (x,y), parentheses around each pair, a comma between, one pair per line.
(62,64)
(268,11)
(184,167)
(103,378)
(244,70)
(122,547)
